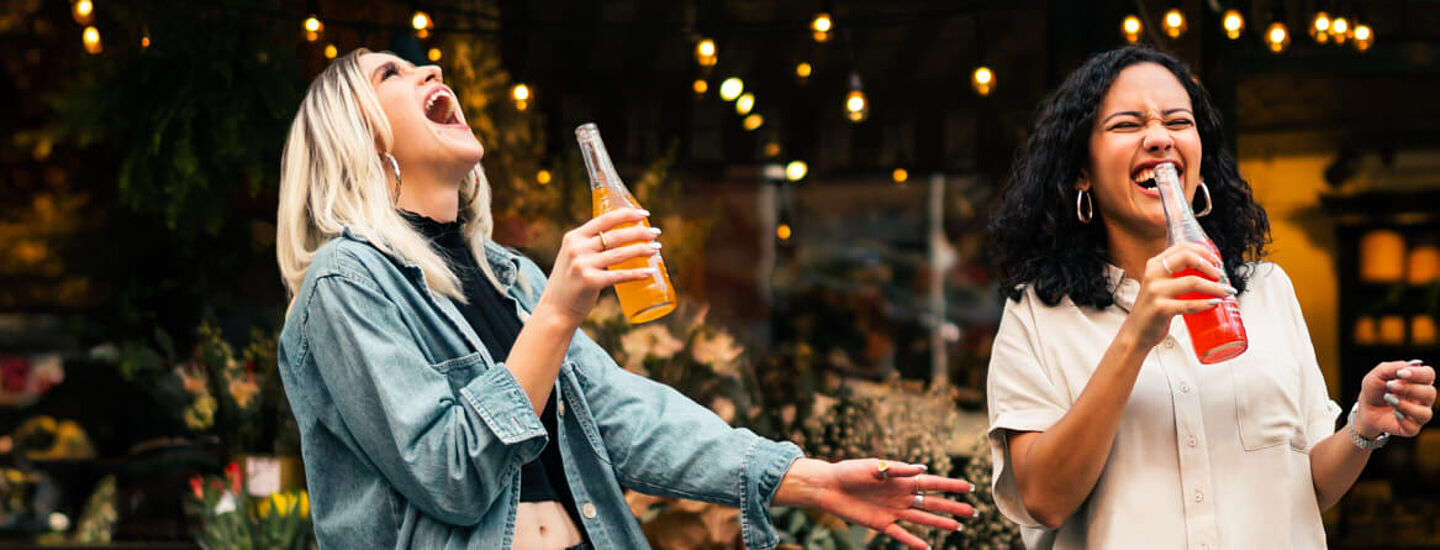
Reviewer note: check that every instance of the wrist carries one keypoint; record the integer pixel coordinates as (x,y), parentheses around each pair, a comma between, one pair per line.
(801,485)
(558,317)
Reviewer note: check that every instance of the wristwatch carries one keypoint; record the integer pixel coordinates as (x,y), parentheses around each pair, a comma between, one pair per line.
(1361,441)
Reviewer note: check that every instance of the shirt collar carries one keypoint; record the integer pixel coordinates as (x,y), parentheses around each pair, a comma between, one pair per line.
(503,263)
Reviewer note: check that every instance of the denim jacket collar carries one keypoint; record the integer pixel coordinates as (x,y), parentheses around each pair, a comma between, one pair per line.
(503,263)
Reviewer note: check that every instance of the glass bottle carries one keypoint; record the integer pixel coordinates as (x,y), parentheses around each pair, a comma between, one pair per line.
(1217,333)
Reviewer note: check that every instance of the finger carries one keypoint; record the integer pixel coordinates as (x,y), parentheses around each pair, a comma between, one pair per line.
(1414,411)
(921,517)
(617,238)
(904,469)
(1202,250)
(1416,373)
(611,219)
(1184,286)
(941,484)
(615,256)
(895,531)
(944,505)
(1423,394)
(1175,306)
(1199,260)
(603,278)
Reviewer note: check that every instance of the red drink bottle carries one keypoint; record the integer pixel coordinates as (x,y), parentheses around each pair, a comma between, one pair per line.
(1217,333)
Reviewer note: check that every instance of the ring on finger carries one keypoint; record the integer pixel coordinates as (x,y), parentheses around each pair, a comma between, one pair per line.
(917,486)
(918,502)
(1165,264)
(603,244)
(882,470)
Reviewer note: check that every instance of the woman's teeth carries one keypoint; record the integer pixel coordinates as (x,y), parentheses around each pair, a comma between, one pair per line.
(1145,178)
(437,107)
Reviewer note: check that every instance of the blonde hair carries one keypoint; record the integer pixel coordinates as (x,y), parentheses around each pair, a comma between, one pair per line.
(332,177)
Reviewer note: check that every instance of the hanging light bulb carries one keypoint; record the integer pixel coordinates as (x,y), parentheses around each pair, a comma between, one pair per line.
(1364,37)
(753,122)
(1277,37)
(731,88)
(91,37)
(313,28)
(543,177)
(744,104)
(145,37)
(521,94)
(434,54)
(1174,23)
(821,26)
(803,70)
(796,170)
(331,51)
(900,175)
(422,23)
(857,107)
(1131,28)
(705,53)
(700,86)
(1320,27)
(83,11)
(1340,30)
(772,149)
(782,231)
(983,80)
(1233,23)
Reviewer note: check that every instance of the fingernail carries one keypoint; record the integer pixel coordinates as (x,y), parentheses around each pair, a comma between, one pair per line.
(1231,290)
(1392,400)
(1403,373)
(1416,362)
(1393,385)
(644,212)
(924,468)
(959,527)
(1399,415)
(1214,301)
(655,230)
(655,245)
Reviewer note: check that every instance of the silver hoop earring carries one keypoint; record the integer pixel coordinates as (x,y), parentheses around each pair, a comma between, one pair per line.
(1204,189)
(395,166)
(1088,212)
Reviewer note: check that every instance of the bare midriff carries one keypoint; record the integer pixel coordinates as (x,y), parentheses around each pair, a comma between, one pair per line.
(545,526)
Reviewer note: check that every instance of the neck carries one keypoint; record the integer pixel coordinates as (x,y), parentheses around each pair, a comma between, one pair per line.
(431,194)
(1129,251)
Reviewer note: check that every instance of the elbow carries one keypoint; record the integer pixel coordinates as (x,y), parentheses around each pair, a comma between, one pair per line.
(1049,519)
(1045,511)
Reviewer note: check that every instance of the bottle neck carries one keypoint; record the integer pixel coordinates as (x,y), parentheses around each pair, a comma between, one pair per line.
(1180,222)
(597,159)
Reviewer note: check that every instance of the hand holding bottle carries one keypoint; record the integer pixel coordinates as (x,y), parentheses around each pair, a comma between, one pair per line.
(587,252)
(1163,296)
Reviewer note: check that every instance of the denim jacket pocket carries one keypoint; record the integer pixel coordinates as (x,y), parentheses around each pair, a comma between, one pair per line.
(461,370)
(1267,401)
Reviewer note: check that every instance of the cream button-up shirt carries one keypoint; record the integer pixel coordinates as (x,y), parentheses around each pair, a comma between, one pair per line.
(1205,457)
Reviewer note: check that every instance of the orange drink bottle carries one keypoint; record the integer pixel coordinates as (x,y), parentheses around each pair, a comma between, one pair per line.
(643,300)
(1217,333)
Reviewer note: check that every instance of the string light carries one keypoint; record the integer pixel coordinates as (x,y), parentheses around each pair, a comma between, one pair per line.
(1340,30)
(1320,27)
(145,37)
(900,175)
(84,12)
(857,107)
(753,122)
(983,80)
(796,170)
(772,149)
(422,23)
(744,104)
(331,51)
(1364,37)
(803,70)
(521,94)
(1277,38)
(700,86)
(1174,23)
(313,28)
(543,176)
(1233,23)
(782,231)
(1131,28)
(434,54)
(705,53)
(731,88)
(91,37)
(821,26)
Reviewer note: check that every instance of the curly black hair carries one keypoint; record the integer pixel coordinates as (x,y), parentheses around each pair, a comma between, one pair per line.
(1036,236)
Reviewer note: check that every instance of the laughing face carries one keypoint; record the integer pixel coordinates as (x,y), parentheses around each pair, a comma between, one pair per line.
(426,123)
(1146,119)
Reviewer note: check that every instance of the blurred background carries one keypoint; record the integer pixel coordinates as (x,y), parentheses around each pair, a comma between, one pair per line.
(823,171)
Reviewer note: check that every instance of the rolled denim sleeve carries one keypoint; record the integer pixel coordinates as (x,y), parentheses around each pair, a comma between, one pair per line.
(449,450)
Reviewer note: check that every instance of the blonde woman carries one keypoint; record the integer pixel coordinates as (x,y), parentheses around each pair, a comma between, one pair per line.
(444,394)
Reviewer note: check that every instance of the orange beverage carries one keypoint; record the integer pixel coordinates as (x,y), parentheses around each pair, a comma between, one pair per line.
(646,299)
(1217,333)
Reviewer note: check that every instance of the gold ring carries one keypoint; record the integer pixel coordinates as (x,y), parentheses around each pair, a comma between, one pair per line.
(883,469)
(603,246)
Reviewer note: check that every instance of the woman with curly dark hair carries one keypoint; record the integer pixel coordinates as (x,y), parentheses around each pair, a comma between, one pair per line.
(1106,431)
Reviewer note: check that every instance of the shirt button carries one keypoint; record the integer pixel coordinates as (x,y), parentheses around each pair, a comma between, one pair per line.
(1184,387)
(1192,442)
(1169,342)
(1199,496)
(588,510)
(560,406)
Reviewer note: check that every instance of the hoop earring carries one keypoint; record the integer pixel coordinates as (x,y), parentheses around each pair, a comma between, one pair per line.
(1205,189)
(1088,212)
(395,166)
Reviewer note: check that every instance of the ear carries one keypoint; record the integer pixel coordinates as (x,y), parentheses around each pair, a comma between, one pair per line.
(1082,183)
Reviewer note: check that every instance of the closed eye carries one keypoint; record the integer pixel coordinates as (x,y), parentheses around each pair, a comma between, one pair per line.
(1125,126)
(1180,123)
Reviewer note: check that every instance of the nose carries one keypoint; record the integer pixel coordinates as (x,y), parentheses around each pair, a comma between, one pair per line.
(430,73)
(1157,139)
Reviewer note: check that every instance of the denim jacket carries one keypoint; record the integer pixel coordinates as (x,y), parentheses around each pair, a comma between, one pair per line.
(413,437)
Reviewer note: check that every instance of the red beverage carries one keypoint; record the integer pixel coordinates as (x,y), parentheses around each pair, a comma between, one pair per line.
(1217,333)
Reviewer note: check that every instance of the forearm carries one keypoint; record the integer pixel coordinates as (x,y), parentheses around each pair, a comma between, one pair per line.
(538,352)
(1056,469)
(1335,464)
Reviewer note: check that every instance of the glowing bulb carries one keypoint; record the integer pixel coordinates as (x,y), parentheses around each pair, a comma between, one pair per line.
(1276,37)
(313,24)
(772,149)
(434,54)
(1340,30)
(420,21)
(900,175)
(822,25)
(803,70)
(705,53)
(1174,23)
(1233,23)
(983,80)
(744,103)
(1320,27)
(700,86)
(91,37)
(331,51)
(795,171)
(521,94)
(753,122)
(1364,37)
(856,107)
(782,231)
(731,88)
(84,12)
(144,38)
(543,177)
(1131,28)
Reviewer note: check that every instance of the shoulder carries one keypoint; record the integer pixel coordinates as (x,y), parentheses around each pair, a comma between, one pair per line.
(1268,278)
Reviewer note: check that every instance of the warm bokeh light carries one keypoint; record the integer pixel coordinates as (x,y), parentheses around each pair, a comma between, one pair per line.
(822,25)
(1340,30)
(1364,37)
(434,54)
(543,176)
(1277,38)
(700,86)
(420,20)
(803,70)
(772,149)
(1131,28)
(83,11)
(705,53)
(1174,23)
(857,108)
(1320,27)
(782,231)
(313,24)
(1233,23)
(744,104)
(331,51)
(900,175)
(795,171)
(91,37)
(145,38)
(983,80)
(753,122)
(520,93)
(731,88)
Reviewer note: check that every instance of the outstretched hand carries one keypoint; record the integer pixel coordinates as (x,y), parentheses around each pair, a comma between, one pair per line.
(1396,397)
(877,494)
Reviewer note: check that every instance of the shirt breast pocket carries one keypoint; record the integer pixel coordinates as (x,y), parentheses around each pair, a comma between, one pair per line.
(461,370)
(1267,401)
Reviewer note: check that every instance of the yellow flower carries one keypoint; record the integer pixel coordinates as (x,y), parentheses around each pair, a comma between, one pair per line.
(304,504)
(264,509)
(243,389)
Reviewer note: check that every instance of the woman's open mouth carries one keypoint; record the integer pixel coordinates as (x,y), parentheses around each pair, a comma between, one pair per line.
(440,107)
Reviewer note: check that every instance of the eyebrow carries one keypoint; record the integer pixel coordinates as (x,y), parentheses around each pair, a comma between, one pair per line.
(1137,114)
(382,67)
